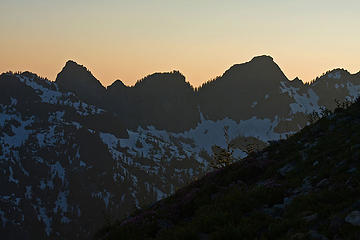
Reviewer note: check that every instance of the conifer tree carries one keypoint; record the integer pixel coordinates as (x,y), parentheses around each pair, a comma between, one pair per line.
(223,157)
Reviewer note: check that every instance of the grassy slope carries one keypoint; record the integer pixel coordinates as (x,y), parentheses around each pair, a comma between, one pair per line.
(299,188)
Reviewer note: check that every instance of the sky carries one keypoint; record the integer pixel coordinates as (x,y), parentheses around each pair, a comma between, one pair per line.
(128,40)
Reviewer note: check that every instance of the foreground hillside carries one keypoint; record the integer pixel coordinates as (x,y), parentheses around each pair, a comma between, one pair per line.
(305,187)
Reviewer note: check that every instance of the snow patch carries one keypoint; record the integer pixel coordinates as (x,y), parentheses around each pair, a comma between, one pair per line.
(45,219)
(105,196)
(354,90)
(20,133)
(11,176)
(61,202)
(4,220)
(305,103)
(56,116)
(57,169)
(28,193)
(159,194)
(42,185)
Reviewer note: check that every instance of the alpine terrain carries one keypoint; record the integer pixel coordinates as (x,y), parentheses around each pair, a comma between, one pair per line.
(304,187)
(74,154)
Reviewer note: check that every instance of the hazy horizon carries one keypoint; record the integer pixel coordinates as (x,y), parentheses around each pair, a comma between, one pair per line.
(128,40)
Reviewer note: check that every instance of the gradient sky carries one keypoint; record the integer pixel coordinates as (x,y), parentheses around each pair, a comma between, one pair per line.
(128,40)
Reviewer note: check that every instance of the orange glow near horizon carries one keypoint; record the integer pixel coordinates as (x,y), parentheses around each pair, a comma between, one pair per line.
(128,40)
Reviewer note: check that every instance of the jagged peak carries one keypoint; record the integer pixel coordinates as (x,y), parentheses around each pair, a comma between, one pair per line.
(334,74)
(262,58)
(297,82)
(71,62)
(71,65)
(117,83)
(263,61)
(116,86)
(78,79)
(74,73)
(337,73)
(261,68)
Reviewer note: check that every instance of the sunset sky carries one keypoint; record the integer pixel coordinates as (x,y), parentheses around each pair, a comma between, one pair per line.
(128,40)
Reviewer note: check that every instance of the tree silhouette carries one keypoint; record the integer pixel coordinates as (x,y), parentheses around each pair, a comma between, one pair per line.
(223,157)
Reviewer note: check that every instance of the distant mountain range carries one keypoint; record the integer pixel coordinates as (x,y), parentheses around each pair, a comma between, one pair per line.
(254,89)
(73,152)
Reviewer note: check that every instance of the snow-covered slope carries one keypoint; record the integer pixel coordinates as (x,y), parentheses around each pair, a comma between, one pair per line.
(66,165)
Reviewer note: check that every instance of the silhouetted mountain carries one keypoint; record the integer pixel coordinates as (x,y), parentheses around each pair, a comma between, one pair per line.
(162,98)
(68,156)
(233,94)
(337,83)
(116,87)
(118,100)
(252,89)
(158,100)
(77,79)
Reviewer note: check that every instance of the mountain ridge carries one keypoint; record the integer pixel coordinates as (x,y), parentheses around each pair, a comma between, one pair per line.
(84,160)
(156,97)
(259,59)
